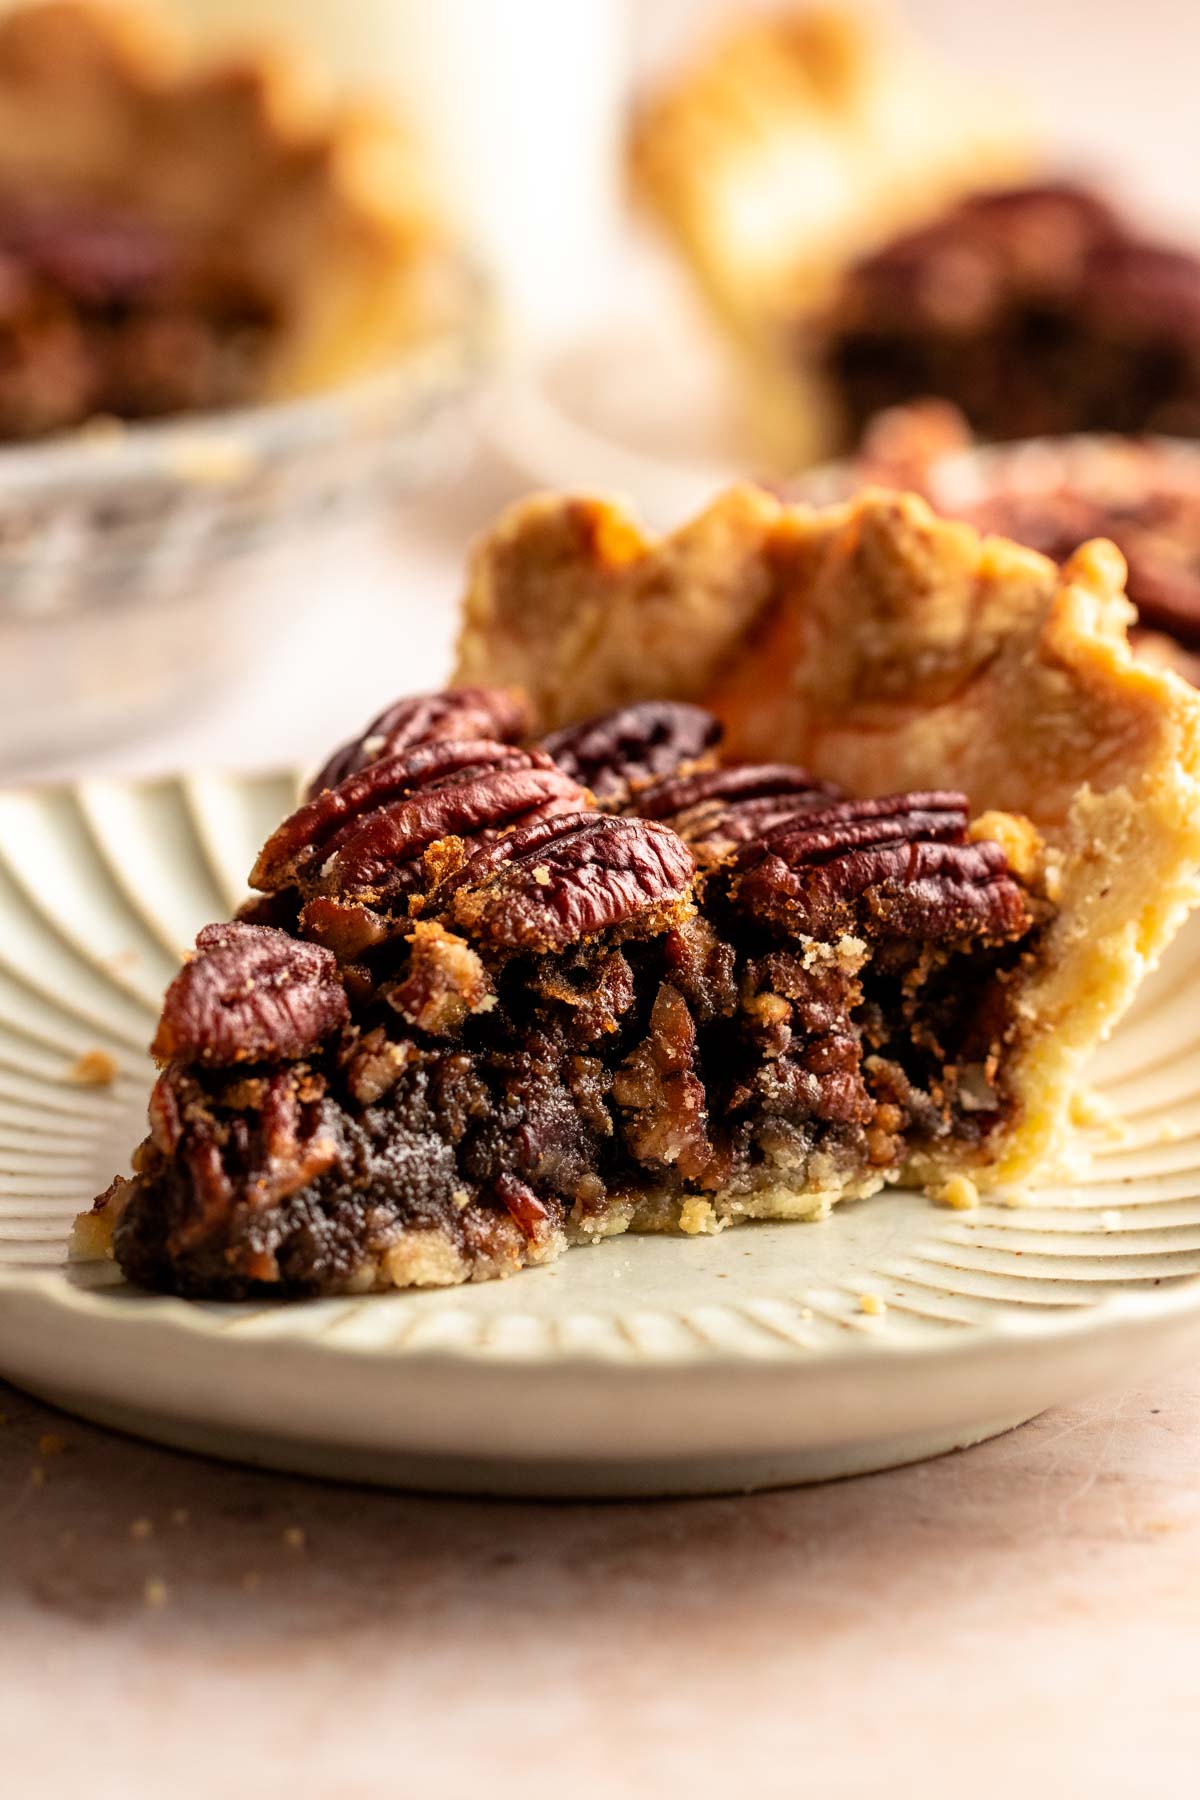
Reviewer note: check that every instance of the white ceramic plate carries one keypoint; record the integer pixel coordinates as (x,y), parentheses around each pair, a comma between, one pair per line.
(644,1365)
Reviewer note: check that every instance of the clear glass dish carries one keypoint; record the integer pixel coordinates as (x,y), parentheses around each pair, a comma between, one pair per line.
(140,564)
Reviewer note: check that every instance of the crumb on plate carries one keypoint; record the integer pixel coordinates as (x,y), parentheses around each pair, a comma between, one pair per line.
(959,1193)
(94,1068)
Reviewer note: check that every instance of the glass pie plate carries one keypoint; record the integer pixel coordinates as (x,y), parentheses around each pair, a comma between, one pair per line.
(140,564)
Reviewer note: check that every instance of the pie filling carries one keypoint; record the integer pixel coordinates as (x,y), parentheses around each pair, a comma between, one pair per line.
(478,1013)
(1037,311)
(108,313)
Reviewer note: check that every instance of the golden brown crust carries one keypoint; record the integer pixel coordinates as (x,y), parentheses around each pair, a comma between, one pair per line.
(792,143)
(887,649)
(320,206)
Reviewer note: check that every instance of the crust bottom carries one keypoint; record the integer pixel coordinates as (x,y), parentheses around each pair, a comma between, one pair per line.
(429,1257)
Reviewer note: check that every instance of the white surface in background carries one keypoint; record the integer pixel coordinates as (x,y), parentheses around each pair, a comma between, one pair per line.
(519,105)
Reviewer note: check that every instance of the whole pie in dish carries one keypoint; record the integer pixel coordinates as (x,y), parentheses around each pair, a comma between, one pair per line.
(175,238)
(743,872)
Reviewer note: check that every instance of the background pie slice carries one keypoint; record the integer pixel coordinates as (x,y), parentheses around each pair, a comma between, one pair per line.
(787,147)
(156,212)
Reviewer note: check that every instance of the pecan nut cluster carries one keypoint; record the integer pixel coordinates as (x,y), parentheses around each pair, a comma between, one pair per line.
(1037,311)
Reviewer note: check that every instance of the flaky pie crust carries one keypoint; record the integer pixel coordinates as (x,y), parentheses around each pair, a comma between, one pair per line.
(887,649)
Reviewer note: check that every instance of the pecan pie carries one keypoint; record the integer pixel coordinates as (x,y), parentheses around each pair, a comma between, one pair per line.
(595,965)
(175,238)
(789,146)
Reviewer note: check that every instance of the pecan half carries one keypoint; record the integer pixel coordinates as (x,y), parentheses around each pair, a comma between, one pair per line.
(544,886)
(366,837)
(250,994)
(614,753)
(898,867)
(500,715)
(716,810)
(664,1116)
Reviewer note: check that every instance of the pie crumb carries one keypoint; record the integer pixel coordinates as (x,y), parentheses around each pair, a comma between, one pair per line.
(958,1192)
(1091,1111)
(155,1592)
(180,1515)
(141,1529)
(874,1305)
(94,1068)
(51,1444)
(696,1216)
(1017,836)
(91,1237)
(294,1537)
(1171,1132)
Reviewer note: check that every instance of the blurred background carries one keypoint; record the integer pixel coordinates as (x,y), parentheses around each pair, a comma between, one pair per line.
(239,584)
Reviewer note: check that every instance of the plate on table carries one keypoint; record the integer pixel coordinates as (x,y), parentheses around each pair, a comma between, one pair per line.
(775,1353)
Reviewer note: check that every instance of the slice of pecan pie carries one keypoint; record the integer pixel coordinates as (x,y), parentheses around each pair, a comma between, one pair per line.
(864,224)
(176,237)
(502,992)
(791,144)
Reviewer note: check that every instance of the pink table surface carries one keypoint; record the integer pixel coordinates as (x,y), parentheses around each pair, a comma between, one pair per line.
(1023,1618)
